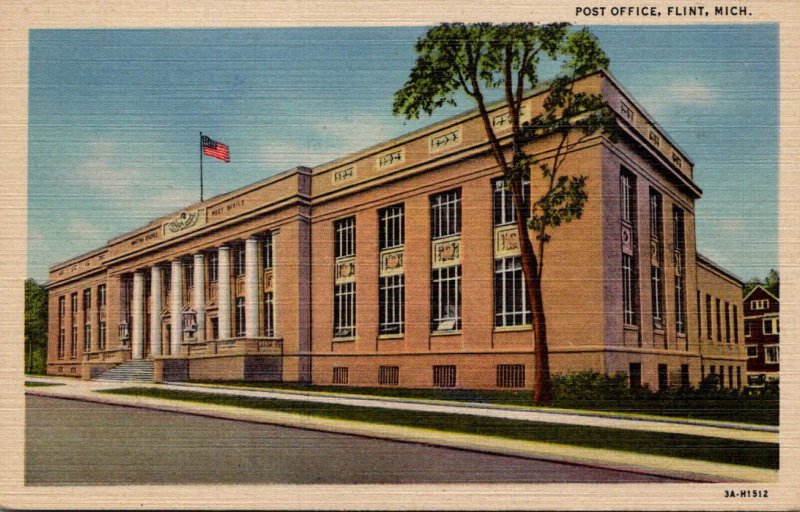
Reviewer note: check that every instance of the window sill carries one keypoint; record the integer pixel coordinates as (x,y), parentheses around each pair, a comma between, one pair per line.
(631,327)
(514,328)
(345,340)
(391,337)
(446,333)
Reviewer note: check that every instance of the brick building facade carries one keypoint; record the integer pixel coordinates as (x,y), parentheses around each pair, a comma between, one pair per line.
(398,266)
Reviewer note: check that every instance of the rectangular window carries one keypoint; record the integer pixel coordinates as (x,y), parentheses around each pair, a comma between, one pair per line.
(240,316)
(708,316)
(87,337)
(392,229)
(759,304)
(87,299)
(738,377)
(629,260)
(389,375)
(628,289)
(269,316)
(61,309)
(238,259)
(444,376)
(735,324)
(771,354)
(511,304)
(748,326)
(730,376)
(446,282)
(391,308)
(344,293)
(340,375)
(213,267)
(188,274)
(679,235)
(446,299)
(166,281)
(663,377)
(699,318)
(504,211)
(391,288)
(344,244)
(727,323)
(656,260)
(73,347)
(215,328)
(61,343)
(719,321)
(101,335)
(344,310)
(635,372)
(510,375)
(684,376)
(721,376)
(74,304)
(770,326)
(266,252)
(101,297)
(627,189)
(446,214)
(752,351)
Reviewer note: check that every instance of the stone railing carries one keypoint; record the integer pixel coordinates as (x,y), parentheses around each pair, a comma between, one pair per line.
(118,355)
(233,346)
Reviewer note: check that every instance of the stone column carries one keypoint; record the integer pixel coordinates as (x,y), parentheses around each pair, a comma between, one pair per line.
(199,298)
(224,292)
(251,288)
(137,316)
(274,235)
(155,310)
(175,307)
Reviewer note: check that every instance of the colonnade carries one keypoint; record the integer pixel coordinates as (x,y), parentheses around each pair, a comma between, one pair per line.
(197,300)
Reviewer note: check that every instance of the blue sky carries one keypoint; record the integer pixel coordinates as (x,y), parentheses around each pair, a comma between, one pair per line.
(115,115)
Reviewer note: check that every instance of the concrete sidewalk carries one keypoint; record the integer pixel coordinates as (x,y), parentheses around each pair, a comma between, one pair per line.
(668,466)
(718,429)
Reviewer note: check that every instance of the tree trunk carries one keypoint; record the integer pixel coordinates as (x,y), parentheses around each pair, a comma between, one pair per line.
(542,387)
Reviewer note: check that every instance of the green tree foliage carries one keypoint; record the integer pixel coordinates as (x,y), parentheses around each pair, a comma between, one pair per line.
(472,59)
(772,283)
(35,327)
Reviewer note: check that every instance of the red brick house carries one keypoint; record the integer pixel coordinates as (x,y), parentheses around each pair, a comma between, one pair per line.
(762,335)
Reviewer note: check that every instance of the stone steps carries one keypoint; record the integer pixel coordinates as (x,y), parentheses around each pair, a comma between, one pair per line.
(132,371)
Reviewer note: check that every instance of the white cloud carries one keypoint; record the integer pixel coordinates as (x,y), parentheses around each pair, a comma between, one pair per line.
(678,94)
(84,228)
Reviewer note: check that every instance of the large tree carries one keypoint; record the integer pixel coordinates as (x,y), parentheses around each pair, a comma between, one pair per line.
(35,327)
(772,283)
(457,60)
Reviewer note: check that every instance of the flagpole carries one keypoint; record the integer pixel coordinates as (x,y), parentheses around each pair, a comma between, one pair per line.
(201,167)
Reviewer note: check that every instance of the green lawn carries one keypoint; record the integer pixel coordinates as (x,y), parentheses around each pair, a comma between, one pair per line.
(32,384)
(762,411)
(762,455)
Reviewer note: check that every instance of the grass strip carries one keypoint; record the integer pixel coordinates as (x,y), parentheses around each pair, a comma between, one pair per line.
(33,384)
(745,453)
(760,411)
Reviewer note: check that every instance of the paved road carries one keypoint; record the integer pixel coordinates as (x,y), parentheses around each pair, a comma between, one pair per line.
(78,443)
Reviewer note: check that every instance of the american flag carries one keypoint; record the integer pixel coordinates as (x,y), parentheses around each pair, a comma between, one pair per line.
(215,149)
